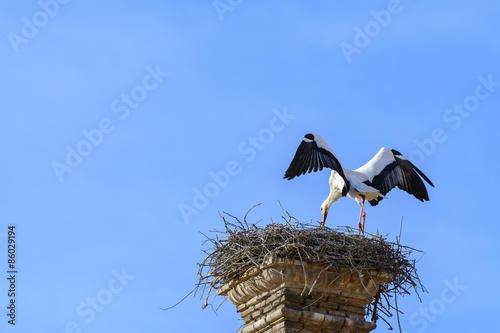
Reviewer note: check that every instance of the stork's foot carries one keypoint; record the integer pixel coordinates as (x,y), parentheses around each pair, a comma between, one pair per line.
(363,225)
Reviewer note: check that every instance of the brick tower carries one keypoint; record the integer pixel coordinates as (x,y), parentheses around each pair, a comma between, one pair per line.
(290,296)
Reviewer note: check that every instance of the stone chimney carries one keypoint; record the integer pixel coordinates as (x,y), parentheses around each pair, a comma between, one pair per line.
(290,296)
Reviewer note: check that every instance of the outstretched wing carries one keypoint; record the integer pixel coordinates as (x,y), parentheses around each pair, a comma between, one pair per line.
(314,154)
(388,169)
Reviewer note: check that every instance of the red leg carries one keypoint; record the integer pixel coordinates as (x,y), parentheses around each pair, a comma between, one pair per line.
(363,213)
(360,216)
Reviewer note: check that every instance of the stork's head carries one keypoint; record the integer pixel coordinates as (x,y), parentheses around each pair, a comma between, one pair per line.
(325,207)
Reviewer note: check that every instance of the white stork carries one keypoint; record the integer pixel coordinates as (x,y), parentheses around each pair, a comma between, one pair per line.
(386,170)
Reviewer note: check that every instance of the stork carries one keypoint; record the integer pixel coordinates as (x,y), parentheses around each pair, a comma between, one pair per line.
(371,182)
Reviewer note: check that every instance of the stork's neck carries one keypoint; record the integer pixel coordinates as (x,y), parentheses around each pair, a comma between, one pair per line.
(329,200)
(335,194)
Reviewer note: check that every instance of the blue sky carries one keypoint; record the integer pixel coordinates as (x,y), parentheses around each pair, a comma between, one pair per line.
(127,126)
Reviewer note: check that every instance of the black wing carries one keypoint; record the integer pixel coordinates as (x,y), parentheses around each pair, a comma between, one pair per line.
(398,172)
(314,154)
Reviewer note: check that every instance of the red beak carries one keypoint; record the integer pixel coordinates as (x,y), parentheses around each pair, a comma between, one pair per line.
(323,219)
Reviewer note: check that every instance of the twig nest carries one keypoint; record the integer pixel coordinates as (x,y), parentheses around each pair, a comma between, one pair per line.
(242,247)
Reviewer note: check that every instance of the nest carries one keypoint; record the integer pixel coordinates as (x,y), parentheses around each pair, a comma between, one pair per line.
(242,246)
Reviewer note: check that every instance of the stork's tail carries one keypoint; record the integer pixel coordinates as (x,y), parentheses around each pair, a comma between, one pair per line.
(377,199)
(373,196)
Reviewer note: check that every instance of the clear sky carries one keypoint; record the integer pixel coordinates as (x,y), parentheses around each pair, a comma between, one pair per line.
(126,126)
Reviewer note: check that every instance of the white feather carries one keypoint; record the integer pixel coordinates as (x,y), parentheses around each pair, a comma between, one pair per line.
(383,158)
